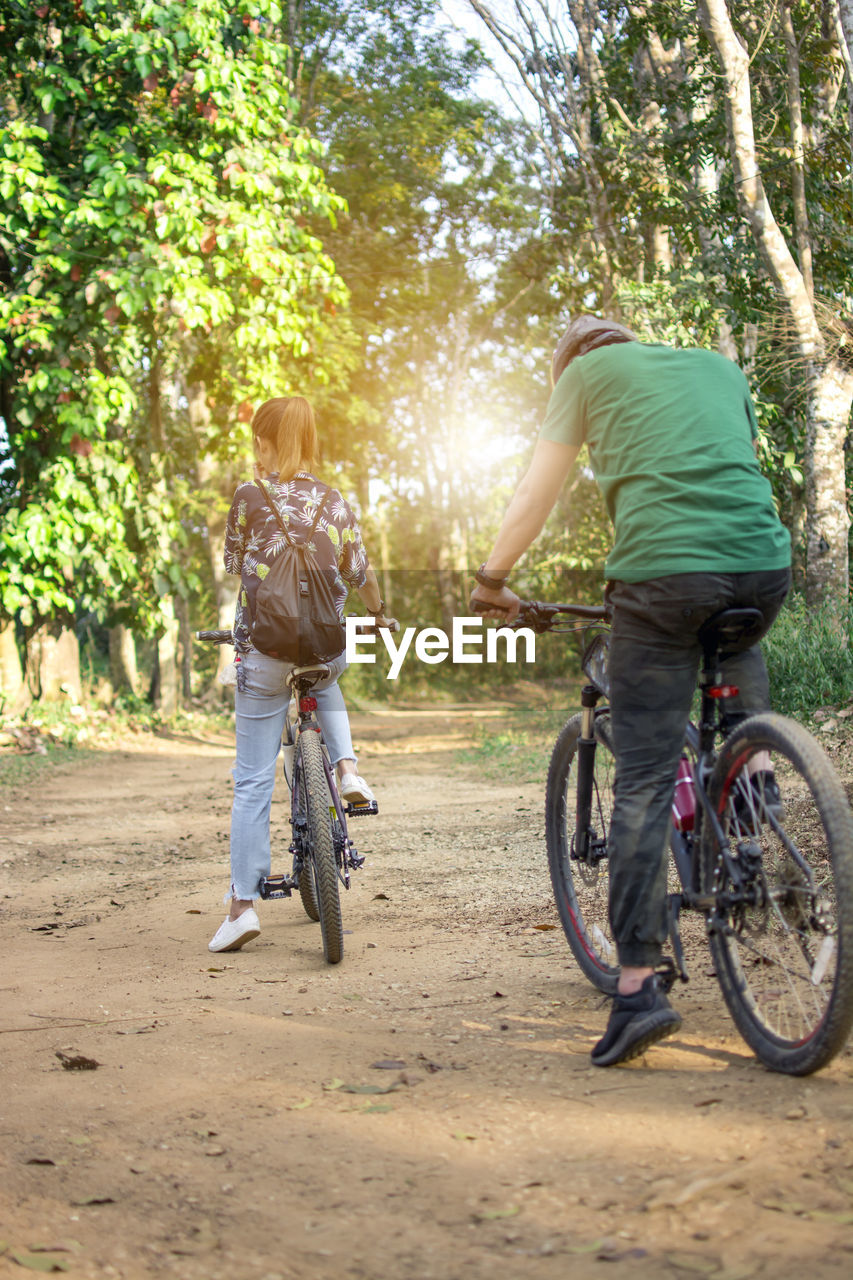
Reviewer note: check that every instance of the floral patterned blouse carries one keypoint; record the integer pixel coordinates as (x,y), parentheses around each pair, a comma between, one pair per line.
(253,538)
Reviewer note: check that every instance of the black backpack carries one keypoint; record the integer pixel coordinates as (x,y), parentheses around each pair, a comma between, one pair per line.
(294,616)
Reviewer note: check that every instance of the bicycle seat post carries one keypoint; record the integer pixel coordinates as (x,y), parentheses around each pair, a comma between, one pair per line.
(709,678)
(725,633)
(301,681)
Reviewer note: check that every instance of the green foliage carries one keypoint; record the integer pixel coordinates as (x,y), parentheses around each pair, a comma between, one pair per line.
(809,660)
(518,746)
(68,547)
(154,201)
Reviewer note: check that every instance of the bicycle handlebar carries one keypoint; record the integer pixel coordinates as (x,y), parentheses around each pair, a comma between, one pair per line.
(227,636)
(537,614)
(541,615)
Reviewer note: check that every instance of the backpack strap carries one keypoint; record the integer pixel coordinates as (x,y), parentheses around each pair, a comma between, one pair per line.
(274,509)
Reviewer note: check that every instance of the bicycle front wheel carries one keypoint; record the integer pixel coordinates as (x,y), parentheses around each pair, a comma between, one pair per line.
(782,932)
(321,867)
(581,886)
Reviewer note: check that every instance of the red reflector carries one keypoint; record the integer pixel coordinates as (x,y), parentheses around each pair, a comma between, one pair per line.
(307,704)
(723,691)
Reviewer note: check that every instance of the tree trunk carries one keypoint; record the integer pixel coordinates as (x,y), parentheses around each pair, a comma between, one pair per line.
(185,640)
(165,695)
(14,694)
(53,664)
(385,561)
(828,517)
(209,475)
(844,26)
(767,234)
(798,146)
(845,15)
(124,675)
(829,392)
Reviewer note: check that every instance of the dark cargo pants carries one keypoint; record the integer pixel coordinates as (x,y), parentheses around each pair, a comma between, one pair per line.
(653,666)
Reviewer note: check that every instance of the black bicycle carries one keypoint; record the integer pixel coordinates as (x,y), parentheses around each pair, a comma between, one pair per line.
(769,870)
(323,853)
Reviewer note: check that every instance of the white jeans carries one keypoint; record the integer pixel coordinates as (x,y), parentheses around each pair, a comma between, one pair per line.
(262,700)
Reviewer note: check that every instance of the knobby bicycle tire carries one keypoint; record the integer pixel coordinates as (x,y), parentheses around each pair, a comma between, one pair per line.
(305,878)
(321,860)
(581,891)
(785,961)
(308,896)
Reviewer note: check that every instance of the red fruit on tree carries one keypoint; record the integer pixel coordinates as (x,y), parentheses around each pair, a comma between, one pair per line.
(80,446)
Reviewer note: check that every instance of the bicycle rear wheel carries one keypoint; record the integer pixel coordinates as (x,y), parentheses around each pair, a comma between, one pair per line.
(581,888)
(306,876)
(321,868)
(783,947)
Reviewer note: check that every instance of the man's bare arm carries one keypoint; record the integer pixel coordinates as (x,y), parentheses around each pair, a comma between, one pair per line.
(527,512)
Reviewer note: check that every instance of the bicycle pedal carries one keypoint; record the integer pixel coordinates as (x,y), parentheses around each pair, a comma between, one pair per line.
(669,972)
(356,860)
(361,810)
(277,887)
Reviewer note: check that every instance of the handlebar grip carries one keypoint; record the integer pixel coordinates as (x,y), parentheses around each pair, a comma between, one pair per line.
(480,606)
(216,637)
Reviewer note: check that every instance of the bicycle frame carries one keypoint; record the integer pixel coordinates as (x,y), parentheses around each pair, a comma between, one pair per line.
(701,742)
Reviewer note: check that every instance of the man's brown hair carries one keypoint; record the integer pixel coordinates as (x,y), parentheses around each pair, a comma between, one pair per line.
(586,333)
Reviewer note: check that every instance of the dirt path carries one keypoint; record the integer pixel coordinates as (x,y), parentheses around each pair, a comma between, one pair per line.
(426,1109)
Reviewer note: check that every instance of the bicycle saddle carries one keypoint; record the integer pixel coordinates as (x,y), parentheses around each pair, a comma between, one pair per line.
(731,630)
(308,675)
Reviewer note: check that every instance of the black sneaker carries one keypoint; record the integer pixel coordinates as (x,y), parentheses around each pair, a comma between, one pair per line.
(636,1022)
(764,803)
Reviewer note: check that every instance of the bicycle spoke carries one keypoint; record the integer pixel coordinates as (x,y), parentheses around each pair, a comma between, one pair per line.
(782,947)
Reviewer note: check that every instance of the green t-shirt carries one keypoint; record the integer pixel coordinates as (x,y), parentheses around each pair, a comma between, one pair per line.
(670,435)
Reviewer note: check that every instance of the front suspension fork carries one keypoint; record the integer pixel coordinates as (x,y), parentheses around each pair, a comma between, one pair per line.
(586,771)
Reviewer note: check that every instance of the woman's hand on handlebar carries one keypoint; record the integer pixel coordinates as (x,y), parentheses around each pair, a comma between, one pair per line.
(503,605)
(376,622)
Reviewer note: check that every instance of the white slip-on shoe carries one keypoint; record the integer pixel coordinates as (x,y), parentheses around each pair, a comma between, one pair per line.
(231,934)
(355,790)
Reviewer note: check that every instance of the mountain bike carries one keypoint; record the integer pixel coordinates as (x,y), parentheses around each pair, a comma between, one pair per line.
(768,870)
(322,851)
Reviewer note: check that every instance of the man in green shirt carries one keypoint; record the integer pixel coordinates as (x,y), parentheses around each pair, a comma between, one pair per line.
(671,435)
